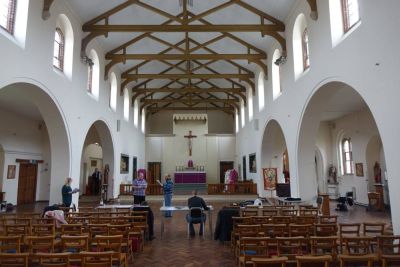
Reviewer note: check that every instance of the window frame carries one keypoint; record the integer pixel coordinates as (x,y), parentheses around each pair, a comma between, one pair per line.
(11,14)
(305,49)
(346,16)
(61,50)
(90,78)
(344,157)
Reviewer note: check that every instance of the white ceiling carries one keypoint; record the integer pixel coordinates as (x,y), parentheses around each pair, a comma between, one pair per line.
(13,101)
(344,102)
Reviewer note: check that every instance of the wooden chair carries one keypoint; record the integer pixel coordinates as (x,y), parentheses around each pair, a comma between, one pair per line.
(305,219)
(288,212)
(357,250)
(307,260)
(86,209)
(348,230)
(10,244)
(97,229)
(324,219)
(260,219)
(309,212)
(126,244)
(324,245)
(96,259)
(373,230)
(43,229)
(37,244)
(74,245)
(249,212)
(53,259)
(389,249)
(14,259)
(245,231)
(326,229)
(112,243)
(290,247)
(305,206)
(268,211)
(275,230)
(71,229)
(235,222)
(282,220)
(261,262)
(305,230)
(253,247)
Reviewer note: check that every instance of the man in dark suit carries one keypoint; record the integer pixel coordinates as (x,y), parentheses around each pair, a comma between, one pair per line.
(198,202)
(96,181)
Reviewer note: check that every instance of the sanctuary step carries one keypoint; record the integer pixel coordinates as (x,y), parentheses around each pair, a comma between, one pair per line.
(186,189)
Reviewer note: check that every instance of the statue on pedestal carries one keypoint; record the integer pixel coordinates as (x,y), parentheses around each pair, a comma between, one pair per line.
(377,173)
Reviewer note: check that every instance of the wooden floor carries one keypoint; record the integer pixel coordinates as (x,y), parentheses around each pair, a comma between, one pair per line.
(175,249)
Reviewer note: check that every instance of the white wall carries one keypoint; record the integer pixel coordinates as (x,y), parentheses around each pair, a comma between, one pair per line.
(23,138)
(208,150)
(76,109)
(361,60)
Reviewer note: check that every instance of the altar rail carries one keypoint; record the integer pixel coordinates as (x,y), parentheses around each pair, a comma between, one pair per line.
(152,189)
(240,188)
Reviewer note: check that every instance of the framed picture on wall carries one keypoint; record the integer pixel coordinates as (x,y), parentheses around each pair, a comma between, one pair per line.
(359,169)
(11,171)
(124,165)
(252,163)
(270,178)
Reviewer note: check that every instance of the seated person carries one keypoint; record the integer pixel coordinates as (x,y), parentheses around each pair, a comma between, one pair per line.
(196,201)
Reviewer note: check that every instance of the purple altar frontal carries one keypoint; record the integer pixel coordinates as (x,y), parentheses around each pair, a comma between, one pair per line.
(190,177)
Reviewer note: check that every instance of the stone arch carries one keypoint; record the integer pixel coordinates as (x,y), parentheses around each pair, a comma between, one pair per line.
(273,146)
(99,133)
(39,98)
(305,185)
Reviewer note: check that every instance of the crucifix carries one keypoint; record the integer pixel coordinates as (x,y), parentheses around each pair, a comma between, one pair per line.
(189,137)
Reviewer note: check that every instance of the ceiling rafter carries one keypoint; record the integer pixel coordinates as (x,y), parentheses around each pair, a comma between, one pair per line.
(190,93)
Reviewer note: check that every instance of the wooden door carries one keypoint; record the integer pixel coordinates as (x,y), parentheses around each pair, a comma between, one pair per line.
(223,167)
(154,172)
(27,183)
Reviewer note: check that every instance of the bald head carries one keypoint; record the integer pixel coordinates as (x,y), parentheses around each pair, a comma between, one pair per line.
(194,192)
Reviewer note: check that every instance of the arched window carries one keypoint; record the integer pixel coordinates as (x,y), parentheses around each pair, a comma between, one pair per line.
(93,74)
(347,156)
(350,13)
(126,104)
(306,50)
(250,104)
(300,46)
(143,121)
(261,97)
(7,15)
(63,53)
(242,117)
(236,121)
(136,113)
(59,47)
(276,75)
(113,91)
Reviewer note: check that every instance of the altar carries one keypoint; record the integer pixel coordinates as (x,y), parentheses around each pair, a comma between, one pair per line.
(190,177)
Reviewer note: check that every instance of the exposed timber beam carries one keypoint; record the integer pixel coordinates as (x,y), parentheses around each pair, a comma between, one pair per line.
(188,76)
(174,100)
(46,9)
(264,29)
(123,57)
(156,109)
(314,9)
(190,90)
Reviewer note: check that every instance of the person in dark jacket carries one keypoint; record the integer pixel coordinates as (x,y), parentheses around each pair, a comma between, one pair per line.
(196,201)
(67,192)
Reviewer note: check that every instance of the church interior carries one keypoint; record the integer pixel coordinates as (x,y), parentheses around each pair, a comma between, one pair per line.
(279,115)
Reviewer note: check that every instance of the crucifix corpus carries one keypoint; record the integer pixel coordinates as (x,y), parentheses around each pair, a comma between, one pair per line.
(189,137)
